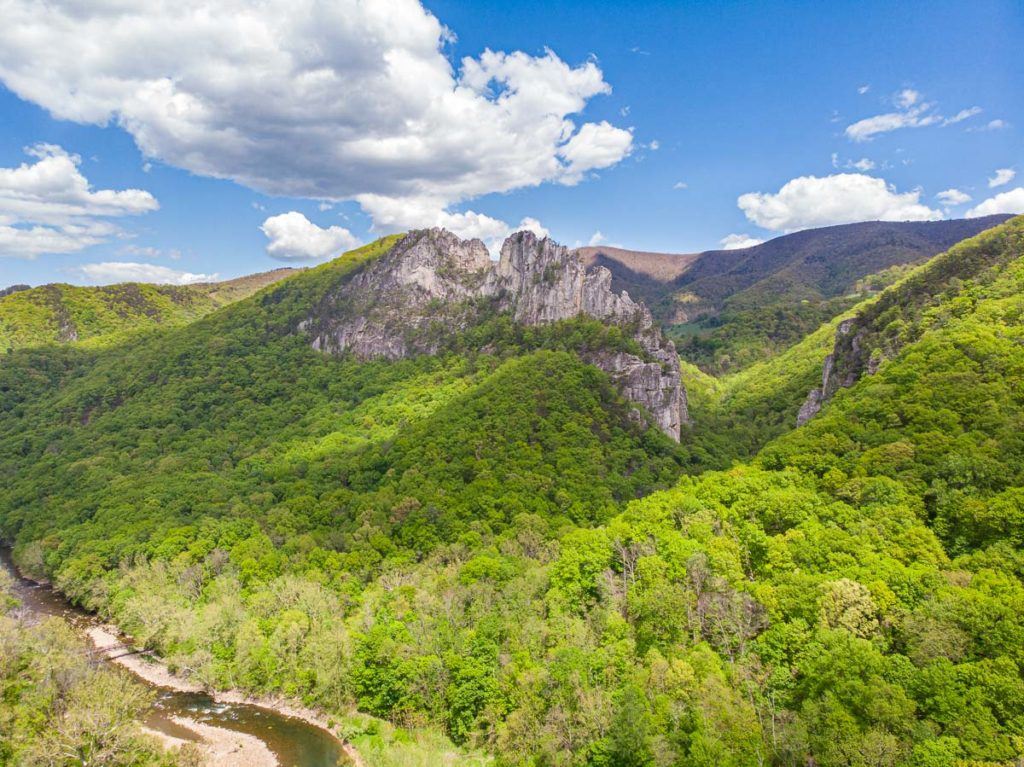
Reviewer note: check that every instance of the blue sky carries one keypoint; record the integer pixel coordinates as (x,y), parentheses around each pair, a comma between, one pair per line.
(694,107)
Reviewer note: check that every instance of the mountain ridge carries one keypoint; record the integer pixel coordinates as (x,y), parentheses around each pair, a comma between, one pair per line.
(62,313)
(432,286)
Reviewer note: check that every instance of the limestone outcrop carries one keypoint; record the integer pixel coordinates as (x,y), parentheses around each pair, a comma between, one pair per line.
(432,285)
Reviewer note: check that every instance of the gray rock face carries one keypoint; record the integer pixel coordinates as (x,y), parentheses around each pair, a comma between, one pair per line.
(432,285)
(847,350)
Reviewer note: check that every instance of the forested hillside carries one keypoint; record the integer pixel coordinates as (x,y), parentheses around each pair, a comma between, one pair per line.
(484,542)
(727,309)
(63,313)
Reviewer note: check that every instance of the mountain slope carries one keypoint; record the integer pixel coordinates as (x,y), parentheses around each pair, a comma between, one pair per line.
(484,540)
(730,308)
(936,366)
(61,313)
(748,408)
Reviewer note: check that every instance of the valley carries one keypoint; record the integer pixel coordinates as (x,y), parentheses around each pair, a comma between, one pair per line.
(482,512)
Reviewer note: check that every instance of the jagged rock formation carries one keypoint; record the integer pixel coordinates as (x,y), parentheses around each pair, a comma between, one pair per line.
(829,383)
(433,284)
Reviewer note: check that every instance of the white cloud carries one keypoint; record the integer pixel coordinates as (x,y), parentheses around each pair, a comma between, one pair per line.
(680,185)
(654,145)
(1003,177)
(907,97)
(398,215)
(293,237)
(842,198)
(142,251)
(597,238)
(737,241)
(594,146)
(330,101)
(48,206)
(953,197)
(913,117)
(109,272)
(863,89)
(962,115)
(995,125)
(532,225)
(911,112)
(1011,201)
(863,164)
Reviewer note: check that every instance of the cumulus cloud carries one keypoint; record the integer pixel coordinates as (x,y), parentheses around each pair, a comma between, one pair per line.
(737,241)
(843,198)
(1003,177)
(391,214)
(594,146)
(911,112)
(532,225)
(293,237)
(680,185)
(48,206)
(109,272)
(331,101)
(863,89)
(953,197)
(1011,201)
(597,238)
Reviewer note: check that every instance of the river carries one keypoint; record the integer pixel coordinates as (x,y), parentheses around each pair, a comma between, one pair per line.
(293,742)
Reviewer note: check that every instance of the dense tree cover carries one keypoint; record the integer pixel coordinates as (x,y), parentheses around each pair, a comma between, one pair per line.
(738,337)
(944,415)
(753,303)
(62,313)
(60,708)
(471,542)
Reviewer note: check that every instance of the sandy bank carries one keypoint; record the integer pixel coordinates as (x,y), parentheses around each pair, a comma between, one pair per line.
(220,747)
(143,666)
(150,669)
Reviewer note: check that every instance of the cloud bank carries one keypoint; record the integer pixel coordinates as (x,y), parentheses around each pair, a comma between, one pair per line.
(843,198)
(347,100)
(1011,202)
(109,272)
(48,206)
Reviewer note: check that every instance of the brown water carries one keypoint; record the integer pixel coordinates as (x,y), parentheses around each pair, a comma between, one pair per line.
(294,742)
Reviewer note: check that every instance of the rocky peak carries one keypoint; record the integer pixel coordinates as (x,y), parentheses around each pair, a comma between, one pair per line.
(433,284)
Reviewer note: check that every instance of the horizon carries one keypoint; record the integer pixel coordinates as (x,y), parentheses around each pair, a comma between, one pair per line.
(659,127)
(602,248)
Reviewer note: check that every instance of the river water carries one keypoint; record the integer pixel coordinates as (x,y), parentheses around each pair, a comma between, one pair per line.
(294,742)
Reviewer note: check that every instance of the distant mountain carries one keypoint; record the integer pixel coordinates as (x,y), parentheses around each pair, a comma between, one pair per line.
(824,263)
(644,275)
(732,308)
(60,313)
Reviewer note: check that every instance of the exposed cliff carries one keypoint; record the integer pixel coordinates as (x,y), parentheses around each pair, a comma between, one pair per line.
(432,285)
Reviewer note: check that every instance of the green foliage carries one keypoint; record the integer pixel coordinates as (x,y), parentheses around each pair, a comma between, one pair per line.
(108,315)
(486,544)
(59,708)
